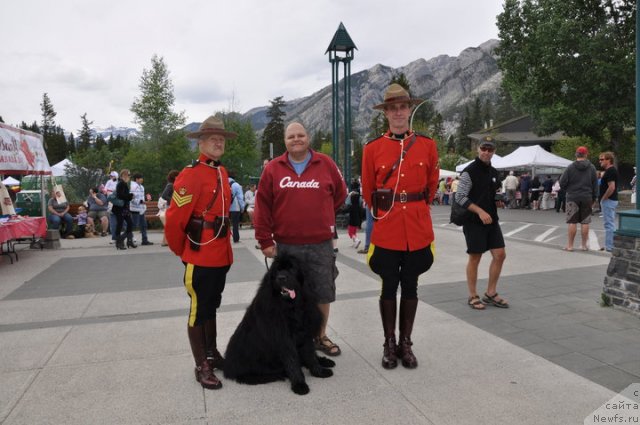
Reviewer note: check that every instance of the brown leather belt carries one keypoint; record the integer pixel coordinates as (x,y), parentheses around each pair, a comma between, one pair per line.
(408,197)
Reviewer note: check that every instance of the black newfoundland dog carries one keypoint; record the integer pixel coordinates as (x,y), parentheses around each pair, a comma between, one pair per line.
(275,337)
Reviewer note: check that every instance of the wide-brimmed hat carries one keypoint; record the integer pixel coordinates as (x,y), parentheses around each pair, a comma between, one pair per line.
(212,125)
(397,94)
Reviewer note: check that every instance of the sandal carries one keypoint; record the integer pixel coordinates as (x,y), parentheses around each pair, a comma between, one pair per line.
(475,303)
(495,300)
(327,346)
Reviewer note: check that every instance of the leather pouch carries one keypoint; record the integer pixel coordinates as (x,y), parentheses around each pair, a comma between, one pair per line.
(221,224)
(194,231)
(382,199)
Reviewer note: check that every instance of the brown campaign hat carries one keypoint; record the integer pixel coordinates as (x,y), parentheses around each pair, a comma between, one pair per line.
(397,94)
(212,125)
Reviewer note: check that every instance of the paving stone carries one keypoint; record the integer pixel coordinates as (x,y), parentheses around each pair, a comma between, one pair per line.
(577,362)
(611,377)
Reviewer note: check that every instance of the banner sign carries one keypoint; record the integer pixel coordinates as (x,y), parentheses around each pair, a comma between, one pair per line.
(22,152)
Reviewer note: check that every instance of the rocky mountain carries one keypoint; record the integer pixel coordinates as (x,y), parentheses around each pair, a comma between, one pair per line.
(449,82)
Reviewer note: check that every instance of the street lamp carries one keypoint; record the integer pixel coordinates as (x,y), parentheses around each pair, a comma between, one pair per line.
(342,43)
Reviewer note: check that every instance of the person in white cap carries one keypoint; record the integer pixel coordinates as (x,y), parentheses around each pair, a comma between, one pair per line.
(110,187)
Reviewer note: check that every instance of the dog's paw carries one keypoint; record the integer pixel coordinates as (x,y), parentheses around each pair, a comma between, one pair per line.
(325,362)
(300,388)
(321,372)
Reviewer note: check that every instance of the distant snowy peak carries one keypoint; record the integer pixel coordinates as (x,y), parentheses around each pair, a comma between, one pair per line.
(110,131)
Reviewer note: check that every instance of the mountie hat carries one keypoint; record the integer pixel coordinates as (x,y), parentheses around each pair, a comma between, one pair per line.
(582,151)
(114,174)
(487,141)
(212,125)
(396,94)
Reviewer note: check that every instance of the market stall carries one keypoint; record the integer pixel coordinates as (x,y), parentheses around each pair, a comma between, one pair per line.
(22,152)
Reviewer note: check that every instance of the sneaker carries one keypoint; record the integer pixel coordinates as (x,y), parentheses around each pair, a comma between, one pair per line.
(363,251)
(358,242)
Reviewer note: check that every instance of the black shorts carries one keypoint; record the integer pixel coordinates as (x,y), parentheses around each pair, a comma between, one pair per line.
(482,237)
(204,286)
(579,211)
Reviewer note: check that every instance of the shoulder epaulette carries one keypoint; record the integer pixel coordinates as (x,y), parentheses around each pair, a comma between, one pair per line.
(373,140)
(194,162)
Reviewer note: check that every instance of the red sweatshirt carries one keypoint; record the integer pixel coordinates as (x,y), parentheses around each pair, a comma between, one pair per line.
(294,209)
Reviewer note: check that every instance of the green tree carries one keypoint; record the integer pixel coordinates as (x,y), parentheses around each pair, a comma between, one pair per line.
(505,109)
(274,131)
(84,134)
(153,109)
(570,64)
(154,163)
(241,154)
(71,144)
(55,144)
(100,142)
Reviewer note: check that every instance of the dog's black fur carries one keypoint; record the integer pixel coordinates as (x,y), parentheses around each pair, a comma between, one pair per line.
(275,337)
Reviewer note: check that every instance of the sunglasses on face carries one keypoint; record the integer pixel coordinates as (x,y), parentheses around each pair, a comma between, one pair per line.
(487,149)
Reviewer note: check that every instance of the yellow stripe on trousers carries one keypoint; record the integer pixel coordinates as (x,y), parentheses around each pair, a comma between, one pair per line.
(188,283)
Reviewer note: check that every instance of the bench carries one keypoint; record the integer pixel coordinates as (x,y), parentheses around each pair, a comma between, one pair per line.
(152,211)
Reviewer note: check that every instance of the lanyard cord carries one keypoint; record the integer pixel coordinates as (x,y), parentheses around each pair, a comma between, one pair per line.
(395,187)
(205,211)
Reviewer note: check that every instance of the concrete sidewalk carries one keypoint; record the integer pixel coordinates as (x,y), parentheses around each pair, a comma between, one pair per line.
(91,335)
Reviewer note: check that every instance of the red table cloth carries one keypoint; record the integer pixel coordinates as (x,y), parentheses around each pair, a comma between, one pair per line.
(23,227)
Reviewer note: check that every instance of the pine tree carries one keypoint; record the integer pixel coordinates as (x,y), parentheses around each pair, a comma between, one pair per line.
(84,137)
(55,144)
(274,131)
(100,142)
(71,144)
(48,118)
(154,108)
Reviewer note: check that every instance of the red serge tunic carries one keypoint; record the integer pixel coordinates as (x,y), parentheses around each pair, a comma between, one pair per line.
(193,190)
(408,225)
(294,209)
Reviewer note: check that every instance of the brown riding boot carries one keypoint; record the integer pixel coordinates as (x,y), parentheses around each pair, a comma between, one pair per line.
(388,314)
(407,316)
(215,359)
(204,372)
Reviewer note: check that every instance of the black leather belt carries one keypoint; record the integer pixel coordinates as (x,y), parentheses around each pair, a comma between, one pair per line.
(211,224)
(207,225)
(404,197)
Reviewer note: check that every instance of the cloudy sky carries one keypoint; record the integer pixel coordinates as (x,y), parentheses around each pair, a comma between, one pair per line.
(88,55)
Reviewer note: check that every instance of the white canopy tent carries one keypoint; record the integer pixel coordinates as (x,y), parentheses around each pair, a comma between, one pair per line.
(10,181)
(494,161)
(446,173)
(532,157)
(59,169)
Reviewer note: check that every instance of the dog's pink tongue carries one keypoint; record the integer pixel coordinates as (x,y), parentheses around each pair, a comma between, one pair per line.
(292,294)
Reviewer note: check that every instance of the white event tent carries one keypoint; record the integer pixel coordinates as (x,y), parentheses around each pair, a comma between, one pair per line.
(59,169)
(531,157)
(495,161)
(10,181)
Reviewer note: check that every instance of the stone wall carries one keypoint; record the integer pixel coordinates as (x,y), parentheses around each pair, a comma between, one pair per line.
(622,282)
